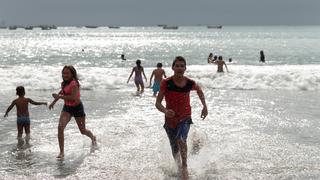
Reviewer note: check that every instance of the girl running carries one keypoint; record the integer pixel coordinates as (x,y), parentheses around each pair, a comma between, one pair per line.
(73,107)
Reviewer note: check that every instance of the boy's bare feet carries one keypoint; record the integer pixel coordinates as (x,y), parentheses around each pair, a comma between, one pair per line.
(20,141)
(184,173)
(94,140)
(60,156)
(27,138)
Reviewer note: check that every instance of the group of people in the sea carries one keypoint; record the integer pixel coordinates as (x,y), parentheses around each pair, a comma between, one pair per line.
(157,73)
(177,112)
(218,60)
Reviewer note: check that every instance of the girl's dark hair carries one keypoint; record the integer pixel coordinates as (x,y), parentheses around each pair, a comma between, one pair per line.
(74,76)
(220,57)
(138,63)
(159,65)
(179,58)
(20,91)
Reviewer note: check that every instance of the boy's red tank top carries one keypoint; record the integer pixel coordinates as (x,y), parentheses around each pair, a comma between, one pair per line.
(178,99)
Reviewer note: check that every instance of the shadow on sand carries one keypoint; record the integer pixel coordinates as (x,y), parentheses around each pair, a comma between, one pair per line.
(68,166)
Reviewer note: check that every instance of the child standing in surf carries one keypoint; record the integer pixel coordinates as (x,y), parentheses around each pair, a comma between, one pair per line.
(73,107)
(176,91)
(158,74)
(138,71)
(220,64)
(23,119)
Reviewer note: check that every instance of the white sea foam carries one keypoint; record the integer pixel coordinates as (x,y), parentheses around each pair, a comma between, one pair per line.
(241,77)
(289,77)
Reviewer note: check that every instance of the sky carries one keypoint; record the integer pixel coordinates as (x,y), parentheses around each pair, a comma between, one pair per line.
(153,12)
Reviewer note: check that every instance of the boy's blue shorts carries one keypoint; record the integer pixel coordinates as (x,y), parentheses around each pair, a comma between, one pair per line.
(180,132)
(23,120)
(156,86)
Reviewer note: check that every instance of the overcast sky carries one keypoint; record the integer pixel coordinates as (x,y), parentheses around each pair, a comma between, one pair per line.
(152,12)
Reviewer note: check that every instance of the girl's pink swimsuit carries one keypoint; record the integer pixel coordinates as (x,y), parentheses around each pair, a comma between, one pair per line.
(68,91)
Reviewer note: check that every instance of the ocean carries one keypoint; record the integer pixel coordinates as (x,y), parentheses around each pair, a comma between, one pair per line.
(263,120)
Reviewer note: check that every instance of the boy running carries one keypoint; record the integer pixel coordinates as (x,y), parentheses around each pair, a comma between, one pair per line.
(23,120)
(176,91)
(158,74)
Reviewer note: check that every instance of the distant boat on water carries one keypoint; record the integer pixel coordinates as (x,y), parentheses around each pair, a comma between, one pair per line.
(53,27)
(214,27)
(48,27)
(45,27)
(170,27)
(91,27)
(114,27)
(28,27)
(13,27)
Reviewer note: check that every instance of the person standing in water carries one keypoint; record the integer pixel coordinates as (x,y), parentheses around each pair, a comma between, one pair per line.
(73,107)
(158,74)
(210,58)
(176,91)
(262,58)
(220,64)
(23,119)
(138,70)
(214,58)
(122,57)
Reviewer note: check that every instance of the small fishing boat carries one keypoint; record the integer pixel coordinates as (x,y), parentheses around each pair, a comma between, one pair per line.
(214,27)
(170,27)
(91,27)
(114,27)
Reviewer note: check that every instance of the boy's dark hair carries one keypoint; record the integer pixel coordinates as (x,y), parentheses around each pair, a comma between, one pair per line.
(138,63)
(220,57)
(179,58)
(159,65)
(20,91)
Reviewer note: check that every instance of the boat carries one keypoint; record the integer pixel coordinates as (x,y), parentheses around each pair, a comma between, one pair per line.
(53,27)
(12,27)
(170,27)
(48,27)
(28,27)
(214,27)
(44,27)
(114,27)
(91,26)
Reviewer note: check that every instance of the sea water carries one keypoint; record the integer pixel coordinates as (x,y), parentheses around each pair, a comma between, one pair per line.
(263,120)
